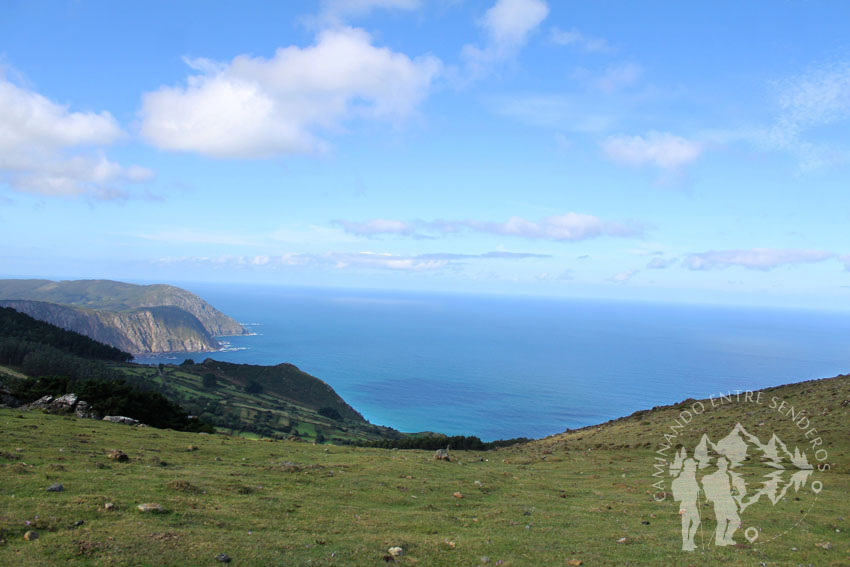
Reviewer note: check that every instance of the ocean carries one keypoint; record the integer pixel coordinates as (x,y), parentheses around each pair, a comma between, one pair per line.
(502,367)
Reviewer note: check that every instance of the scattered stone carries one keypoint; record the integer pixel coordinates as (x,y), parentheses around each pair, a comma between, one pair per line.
(117,455)
(485,560)
(78,523)
(395,551)
(457,495)
(575,562)
(442,454)
(121,419)
(55,488)
(623,540)
(222,558)
(478,483)
(191,448)
(824,545)
(109,506)
(31,536)
(150,507)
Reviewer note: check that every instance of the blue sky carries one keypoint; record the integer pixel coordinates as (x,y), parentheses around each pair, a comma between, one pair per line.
(658,150)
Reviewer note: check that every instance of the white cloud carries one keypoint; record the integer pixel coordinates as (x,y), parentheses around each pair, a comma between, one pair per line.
(566,227)
(845,259)
(47,149)
(577,39)
(662,149)
(256,107)
(623,277)
(753,259)
(507,24)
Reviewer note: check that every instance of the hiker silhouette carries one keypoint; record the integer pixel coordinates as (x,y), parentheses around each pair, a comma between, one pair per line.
(686,490)
(718,490)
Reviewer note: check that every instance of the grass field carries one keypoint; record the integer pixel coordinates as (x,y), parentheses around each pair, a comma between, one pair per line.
(583,496)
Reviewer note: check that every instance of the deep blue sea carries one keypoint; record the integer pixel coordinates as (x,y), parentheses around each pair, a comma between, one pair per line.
(500,367)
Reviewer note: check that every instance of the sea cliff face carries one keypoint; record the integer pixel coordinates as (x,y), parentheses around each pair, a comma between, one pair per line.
(145,330)
(120,297)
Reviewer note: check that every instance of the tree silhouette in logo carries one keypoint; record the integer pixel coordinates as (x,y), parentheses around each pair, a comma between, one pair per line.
(725,488)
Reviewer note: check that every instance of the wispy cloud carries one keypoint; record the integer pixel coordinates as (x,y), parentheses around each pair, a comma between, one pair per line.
(255,107)
(377,226)
(753,259)
(623,277)
(46,149)
(577,39)
(810,106)
(661,263)
(566,227)
(556,111)
(662,149)
(336,12)
(507,26)
(612,78)
(349,260)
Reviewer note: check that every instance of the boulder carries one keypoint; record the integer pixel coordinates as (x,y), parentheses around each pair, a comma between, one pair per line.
(442,455)
(41,403)
(31,536)
(64,404)
(117,455)
(121,419)
(150,507)
(85,411)
(55,488)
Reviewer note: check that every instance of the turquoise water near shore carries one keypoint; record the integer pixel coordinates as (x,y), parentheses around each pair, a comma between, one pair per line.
(499,366)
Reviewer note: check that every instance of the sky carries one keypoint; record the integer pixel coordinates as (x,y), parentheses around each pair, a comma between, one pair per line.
(673,151)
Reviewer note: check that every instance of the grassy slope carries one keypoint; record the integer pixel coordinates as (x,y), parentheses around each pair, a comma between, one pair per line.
(290,398)
(564,497)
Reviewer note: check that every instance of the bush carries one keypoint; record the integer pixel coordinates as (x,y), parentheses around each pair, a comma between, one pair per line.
(209,381)
(330,413)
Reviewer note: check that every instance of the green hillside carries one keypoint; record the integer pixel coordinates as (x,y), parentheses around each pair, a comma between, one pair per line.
(272,401)
(15,326)
(581,498)
(116,296)
(140,319)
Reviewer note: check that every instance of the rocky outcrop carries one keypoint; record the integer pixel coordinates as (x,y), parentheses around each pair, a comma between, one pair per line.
(69,404)
(139,331)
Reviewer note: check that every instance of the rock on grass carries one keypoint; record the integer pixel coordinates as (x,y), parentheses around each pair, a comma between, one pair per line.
(150,507)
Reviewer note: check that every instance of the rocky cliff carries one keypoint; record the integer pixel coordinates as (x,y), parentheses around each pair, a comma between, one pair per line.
(119,297)
(144,330)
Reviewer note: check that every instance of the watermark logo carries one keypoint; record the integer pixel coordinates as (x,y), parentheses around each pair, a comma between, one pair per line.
(725,477)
